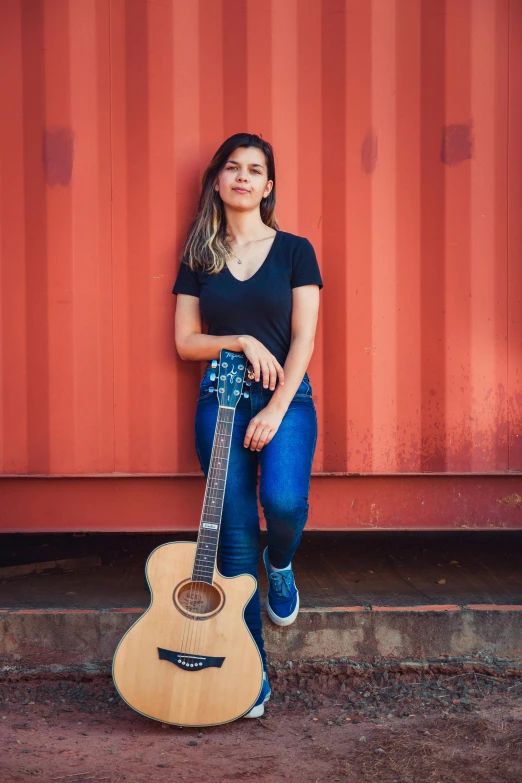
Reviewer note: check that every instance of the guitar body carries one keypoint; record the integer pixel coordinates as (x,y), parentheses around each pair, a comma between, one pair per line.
(190,659)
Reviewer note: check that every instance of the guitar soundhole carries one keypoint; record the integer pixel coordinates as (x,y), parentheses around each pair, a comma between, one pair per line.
(198,599)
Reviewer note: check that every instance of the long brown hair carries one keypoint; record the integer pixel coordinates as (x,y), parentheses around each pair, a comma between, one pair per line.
(206,246)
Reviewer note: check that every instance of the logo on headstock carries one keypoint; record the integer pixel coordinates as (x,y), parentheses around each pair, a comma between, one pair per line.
(232,374)
(231,355)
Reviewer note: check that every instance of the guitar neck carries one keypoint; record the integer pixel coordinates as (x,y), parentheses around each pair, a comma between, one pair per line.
(210,524)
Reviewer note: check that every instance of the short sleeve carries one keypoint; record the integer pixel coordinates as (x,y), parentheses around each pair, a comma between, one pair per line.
(187,281)
(305,269)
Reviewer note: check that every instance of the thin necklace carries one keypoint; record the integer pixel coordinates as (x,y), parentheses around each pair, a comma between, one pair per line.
(239,261)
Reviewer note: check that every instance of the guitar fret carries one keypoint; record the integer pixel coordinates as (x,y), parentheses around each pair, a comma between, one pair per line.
(213,503)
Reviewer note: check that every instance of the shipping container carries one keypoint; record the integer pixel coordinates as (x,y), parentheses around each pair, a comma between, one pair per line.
(397,130)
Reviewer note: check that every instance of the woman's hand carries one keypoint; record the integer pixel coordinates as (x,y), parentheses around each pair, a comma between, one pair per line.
(262,361)
(262,428)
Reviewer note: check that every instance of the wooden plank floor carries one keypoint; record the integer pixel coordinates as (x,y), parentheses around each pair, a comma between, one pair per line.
(331,569)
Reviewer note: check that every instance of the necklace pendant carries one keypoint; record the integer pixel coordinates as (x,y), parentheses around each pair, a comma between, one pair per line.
(239,261)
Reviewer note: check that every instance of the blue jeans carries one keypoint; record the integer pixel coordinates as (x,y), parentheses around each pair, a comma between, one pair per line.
(286,465)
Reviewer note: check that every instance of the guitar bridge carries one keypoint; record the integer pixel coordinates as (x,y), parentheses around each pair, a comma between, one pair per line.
(188,661)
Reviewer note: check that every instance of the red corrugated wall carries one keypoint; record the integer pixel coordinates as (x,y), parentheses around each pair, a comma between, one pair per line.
(397,129)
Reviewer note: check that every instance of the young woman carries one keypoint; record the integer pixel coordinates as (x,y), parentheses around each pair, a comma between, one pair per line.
(257,289)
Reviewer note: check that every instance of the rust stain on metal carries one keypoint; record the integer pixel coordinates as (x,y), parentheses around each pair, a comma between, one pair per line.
(57,153)
(457,143)
(513,500)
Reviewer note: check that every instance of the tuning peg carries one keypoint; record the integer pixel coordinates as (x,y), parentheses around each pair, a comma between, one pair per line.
(248,383)
(211,389)
(214,363)
(246,395)
(212,376)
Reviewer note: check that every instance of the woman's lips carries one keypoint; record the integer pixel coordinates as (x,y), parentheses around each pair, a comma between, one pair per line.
(240,190)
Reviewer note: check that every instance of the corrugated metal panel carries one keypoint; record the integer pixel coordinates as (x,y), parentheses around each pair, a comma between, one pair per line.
(55,225)
(396,127)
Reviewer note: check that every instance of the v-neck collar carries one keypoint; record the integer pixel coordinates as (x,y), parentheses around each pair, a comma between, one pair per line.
(275,239)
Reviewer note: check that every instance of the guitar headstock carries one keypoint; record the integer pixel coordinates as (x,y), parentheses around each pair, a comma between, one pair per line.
(233,378)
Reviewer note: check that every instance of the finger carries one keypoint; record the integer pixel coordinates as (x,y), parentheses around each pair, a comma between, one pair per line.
(249,432)
(281,373)
(254,439)
(260,426)
(264,439)
(273,375)
(257,369)
(266,373)
(258,440)
(248,435)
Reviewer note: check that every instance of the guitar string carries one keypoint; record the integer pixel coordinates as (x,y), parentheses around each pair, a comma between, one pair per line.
(219,452)
(205,590)
(189,621)
(197,572)
(188,640)
(218,455)
(224,426)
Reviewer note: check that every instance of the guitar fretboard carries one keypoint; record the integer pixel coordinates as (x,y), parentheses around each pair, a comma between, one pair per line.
(210,525)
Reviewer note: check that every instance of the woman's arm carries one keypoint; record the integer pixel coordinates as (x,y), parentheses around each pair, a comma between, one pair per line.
(305,312)
(191,344)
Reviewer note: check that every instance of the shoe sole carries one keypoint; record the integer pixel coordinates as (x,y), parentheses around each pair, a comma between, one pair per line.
(259,711)
(282,620)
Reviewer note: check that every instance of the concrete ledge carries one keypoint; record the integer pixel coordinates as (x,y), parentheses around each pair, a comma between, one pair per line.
(83,639)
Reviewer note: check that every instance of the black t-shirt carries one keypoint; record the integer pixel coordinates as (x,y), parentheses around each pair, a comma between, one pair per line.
(262,305)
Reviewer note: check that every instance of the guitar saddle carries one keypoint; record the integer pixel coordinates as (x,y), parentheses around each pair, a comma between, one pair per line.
(189,661)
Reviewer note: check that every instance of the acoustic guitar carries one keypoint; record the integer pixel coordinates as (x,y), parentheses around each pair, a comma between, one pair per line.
(190,659)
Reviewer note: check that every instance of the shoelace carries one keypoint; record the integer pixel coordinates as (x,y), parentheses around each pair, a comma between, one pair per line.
(281,582)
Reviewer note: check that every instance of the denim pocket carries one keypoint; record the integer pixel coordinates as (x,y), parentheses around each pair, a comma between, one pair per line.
(305,387)
(204,387)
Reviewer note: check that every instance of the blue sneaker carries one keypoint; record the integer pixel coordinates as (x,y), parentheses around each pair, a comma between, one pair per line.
(282,601)
(258,710)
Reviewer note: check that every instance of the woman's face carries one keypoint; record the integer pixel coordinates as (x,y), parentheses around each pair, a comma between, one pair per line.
(243,180)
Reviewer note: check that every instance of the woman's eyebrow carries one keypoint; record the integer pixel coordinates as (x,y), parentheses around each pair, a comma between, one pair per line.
(252,164)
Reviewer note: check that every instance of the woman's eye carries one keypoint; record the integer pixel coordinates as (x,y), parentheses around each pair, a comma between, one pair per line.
(252,171)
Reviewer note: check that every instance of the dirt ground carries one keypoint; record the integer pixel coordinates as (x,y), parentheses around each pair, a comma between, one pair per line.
(393,728)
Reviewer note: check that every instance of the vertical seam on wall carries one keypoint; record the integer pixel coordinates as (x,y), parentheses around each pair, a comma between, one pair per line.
(112,245)
(508,398)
